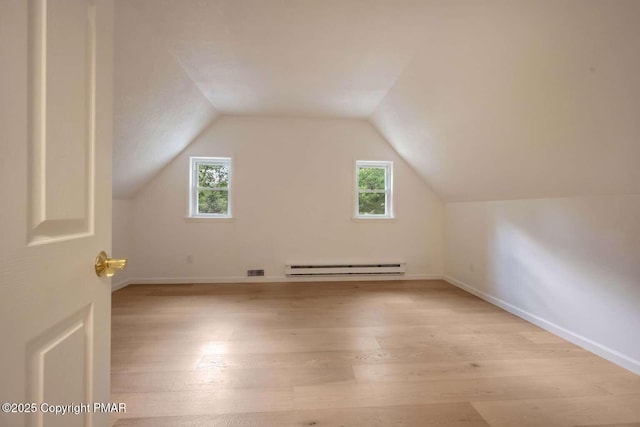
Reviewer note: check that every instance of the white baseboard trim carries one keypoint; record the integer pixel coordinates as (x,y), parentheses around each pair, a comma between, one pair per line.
(120,285)
(611,355)
(269,279)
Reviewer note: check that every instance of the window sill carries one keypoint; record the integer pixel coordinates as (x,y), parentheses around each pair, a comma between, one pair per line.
(373,219)
(209,219)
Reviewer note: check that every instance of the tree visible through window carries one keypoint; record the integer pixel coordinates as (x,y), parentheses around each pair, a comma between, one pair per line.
(374,189)
(210,186)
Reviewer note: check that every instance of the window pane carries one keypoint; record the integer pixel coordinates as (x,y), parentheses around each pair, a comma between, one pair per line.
(371,203)
(213,201)
(371,178)
(213,176)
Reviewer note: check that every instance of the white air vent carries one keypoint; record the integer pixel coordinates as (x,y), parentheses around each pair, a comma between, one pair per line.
(344,269)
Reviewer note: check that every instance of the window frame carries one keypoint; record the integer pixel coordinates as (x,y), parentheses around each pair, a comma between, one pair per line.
(388,190)
(194,163)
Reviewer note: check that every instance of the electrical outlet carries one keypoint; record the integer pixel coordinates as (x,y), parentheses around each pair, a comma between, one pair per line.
(189,259)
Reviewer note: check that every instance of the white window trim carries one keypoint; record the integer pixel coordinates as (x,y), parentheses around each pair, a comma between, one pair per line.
(388,205)
(193,188)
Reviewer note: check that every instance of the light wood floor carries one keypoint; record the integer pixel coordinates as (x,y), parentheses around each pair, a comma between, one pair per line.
(350,354)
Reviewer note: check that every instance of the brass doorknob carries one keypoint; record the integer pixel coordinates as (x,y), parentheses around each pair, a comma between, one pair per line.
(106,266)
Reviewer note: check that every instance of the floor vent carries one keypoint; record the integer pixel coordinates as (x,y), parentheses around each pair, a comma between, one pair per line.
(345,269)
(254,273)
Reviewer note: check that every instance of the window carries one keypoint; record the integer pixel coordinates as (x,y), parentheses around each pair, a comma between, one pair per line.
(374,185)
(210,195)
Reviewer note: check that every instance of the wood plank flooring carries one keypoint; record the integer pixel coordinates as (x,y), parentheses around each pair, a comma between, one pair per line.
(412,353)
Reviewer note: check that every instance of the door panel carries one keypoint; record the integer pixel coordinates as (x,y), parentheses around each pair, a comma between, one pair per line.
(58,369)
(61,96)
(56,126)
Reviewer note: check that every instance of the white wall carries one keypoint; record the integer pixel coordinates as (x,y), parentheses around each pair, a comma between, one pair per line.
(571,265)
(292,202)
(122,240)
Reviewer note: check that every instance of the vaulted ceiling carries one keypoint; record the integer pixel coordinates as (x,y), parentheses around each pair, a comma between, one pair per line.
(492,99)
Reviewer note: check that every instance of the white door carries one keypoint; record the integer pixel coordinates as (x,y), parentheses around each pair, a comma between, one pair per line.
(55,207)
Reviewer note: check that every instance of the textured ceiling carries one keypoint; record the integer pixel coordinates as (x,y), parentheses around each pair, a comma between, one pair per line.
(158,110)
(485,99)
(329,57)
(522,99)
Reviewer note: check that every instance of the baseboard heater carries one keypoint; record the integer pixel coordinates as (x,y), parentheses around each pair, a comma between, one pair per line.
(345,269)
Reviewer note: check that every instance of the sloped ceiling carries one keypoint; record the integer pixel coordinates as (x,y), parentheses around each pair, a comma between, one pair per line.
(485,99)
(522,99)
(290,57)
(158,110)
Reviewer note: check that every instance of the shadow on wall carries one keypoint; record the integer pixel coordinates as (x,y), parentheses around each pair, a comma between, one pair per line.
(572,262)
(519,268)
